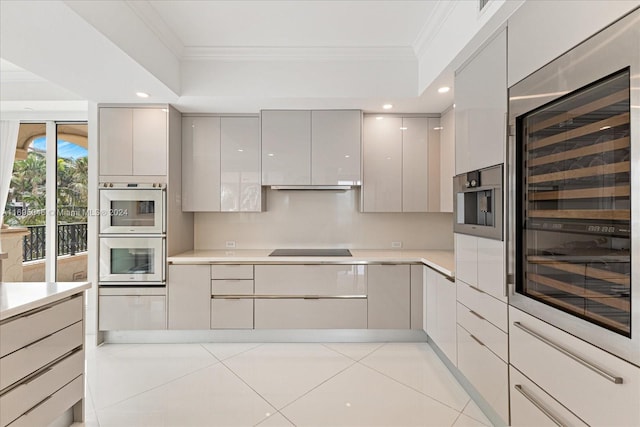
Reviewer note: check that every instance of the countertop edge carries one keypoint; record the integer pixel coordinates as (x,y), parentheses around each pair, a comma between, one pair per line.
(30,305)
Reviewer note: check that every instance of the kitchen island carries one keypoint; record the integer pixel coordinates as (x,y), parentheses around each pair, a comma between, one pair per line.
(42,352)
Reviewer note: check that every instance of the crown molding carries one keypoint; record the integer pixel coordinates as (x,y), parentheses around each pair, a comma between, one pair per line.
(290,53)
(152,19)
(432,26)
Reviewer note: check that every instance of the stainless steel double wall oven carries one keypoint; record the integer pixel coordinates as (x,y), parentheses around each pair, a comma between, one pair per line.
(574,165)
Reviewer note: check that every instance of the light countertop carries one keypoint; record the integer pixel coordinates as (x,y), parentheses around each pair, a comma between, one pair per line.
(19,297)
(440,260)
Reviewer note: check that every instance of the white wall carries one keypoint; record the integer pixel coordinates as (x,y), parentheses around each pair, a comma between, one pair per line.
(322,219)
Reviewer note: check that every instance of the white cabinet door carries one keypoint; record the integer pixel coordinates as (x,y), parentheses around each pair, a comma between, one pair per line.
(201,164)
(321,313)
(388,297)
(311,280)
(466,253)
(150,141)
(433,178)
(240,164)
(116,141)
(189,295)
(447,160)
(132,312)
(432,305)
(417,296)
(415,164)
(446,317)
(382,161)
(286,147)
(491,267)
(481,107)
(335,147)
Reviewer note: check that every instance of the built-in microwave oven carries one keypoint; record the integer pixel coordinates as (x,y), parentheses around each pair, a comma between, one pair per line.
(477,207)
(132,209)
(134,260)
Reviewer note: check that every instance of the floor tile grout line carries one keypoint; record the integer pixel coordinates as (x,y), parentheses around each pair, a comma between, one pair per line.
(93,405)
(411,387)
(321,383)
(483,422)
(346,355)
(157,386)
(237,354)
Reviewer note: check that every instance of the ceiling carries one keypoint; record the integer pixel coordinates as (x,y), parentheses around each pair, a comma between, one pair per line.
(237,56)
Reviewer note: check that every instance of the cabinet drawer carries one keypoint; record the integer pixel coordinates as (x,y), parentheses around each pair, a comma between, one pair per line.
(232,271)
(49,409)
(131,312)
(24,397)
(232,287)
(529,404)
(231,313)
(29,359)
(28,328)
(492,337)
(485,305)
(310,313)
(592,397)
(322,280)
(485,371)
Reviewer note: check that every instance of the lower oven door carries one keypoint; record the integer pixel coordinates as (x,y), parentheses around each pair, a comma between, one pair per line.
(132,259)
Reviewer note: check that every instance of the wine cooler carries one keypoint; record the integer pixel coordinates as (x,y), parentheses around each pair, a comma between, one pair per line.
(573,229)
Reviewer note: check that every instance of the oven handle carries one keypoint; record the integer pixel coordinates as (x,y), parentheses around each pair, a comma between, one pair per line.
(580,360)
(164,259)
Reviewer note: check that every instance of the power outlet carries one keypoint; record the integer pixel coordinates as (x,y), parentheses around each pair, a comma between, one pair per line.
(396,245)
(230,244)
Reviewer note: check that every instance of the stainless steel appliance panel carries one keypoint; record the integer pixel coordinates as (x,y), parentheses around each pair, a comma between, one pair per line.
(478,203)
(581,214)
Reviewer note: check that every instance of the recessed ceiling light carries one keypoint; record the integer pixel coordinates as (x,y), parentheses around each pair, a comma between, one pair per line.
(438,128)
(387,106)
(379,118)
(142,94)
(444,89)
(403,128)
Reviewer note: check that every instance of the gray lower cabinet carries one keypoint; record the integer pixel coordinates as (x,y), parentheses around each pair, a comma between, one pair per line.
(188,296)
(232,313)
(389,296)
(311,313)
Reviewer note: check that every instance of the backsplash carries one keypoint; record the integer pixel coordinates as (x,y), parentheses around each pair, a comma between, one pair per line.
(322,219)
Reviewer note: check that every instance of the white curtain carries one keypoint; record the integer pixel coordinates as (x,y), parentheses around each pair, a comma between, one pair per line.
(8,141)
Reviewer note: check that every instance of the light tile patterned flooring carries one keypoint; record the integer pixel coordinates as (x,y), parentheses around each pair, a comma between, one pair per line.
(283,384)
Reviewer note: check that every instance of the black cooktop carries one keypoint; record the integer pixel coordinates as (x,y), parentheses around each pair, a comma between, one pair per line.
(311,252)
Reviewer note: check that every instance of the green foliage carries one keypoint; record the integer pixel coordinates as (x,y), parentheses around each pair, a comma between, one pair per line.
(28,185)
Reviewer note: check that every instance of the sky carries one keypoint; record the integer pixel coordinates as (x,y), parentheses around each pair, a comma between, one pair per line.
(66,149)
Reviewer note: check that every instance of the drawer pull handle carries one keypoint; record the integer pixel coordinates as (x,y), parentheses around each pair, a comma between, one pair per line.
(35,377)
(538,405)
(614,379)
(477,340)
(476,289)
(476,314)
(37,406)
(311,297)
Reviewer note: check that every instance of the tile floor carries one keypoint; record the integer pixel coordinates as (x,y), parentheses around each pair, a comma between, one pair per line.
(344,384)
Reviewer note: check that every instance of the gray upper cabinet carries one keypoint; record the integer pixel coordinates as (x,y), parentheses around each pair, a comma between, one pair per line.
(302,147)
(133,141)
(335,147)
(401,164)
(286,147)
(201,164)
(481,108)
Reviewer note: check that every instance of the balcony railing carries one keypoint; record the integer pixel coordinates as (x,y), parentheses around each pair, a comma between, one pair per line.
(72,238)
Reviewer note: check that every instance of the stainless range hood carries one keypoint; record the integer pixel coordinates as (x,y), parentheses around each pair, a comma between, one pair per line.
(313,187)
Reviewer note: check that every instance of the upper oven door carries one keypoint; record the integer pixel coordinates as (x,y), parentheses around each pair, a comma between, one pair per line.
(573,234)
(131,259)
(135,211)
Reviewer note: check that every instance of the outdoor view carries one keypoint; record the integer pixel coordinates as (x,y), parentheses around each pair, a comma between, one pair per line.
(26,205)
